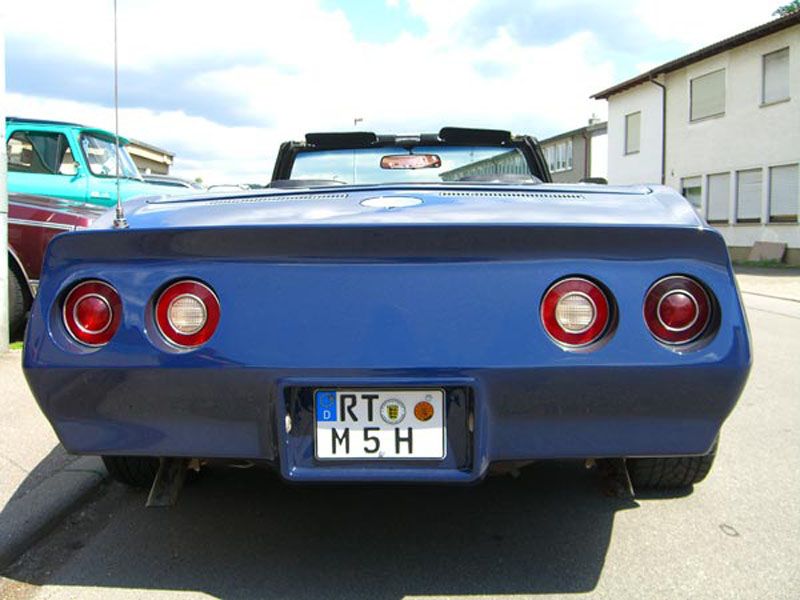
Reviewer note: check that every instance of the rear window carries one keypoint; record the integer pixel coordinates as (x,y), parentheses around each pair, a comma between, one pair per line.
(364,165)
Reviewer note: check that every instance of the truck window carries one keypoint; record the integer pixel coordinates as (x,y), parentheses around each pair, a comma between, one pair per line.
(101,154)
(40,152)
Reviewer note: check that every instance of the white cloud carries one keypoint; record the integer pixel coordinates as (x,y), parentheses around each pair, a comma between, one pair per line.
(153,32)
(699,24)
(296,66)
(442,16)
(230,154)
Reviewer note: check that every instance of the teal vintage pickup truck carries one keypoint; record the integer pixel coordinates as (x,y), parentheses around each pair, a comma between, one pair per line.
(72,161)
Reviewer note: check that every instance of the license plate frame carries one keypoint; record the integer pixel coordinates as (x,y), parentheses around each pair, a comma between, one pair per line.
(408,397)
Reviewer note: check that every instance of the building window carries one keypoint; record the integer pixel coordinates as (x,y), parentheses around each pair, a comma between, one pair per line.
(719,193)
(775,74)
(784,194)
(692,190)
(40,152)
(707,95)
(568,155)
(633,130)
(748,196)
(559,156)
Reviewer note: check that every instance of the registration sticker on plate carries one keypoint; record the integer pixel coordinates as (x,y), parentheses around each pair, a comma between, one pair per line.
(379,424)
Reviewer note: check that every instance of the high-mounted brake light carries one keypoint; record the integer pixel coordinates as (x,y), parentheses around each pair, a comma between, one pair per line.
(92,312)
(575,312)
(677,310)
(187,313)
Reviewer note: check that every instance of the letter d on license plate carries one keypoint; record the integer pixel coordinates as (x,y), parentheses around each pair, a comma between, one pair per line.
(379,424)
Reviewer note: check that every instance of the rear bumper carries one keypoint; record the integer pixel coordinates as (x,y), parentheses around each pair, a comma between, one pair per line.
(493,414)
(387,307)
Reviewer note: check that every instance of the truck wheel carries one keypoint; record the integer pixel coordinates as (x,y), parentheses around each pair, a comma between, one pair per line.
(135,471)
(670,472)
(16,306)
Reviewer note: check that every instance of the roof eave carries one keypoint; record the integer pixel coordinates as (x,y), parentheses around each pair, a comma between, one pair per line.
(739,39)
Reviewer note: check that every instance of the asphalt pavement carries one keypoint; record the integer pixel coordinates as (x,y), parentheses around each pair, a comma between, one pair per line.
(552,531)
(40,483)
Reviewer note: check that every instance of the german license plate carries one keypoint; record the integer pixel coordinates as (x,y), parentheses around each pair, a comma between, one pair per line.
(379,424)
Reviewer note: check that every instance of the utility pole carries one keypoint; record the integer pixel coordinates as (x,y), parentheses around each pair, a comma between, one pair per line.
(4,332)
(356,121)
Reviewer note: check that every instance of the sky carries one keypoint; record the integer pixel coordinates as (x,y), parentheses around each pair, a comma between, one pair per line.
(222,84)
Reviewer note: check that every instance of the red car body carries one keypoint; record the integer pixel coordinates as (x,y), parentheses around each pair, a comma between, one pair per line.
(32,222)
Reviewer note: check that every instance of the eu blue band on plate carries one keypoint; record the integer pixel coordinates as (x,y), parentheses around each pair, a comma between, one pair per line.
(326,405)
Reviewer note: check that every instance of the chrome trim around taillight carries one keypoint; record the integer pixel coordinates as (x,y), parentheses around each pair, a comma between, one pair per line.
(606,313)
(707,306)
(114,314)
(174,338)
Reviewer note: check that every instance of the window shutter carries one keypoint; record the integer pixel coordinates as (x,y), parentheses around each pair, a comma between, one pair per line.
(748,195)
(718,197)
(783,193)
(708,95)
(692,189)
(776,76)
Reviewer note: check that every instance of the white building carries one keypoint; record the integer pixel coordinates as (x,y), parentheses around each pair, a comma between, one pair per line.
(721,125)
(577,155)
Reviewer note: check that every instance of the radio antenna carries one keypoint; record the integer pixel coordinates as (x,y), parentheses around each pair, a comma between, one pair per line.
(119,218)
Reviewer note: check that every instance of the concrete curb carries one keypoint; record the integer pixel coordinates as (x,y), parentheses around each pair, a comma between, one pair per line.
(28,519)
(773,296)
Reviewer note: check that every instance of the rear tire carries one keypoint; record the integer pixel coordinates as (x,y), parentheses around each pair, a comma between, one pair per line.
(16,306)
(135,471)
(674,472)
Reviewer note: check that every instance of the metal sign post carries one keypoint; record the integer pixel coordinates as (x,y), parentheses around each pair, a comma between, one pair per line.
(4,331)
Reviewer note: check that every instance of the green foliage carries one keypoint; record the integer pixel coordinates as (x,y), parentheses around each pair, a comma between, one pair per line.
(787,9)
(762,264)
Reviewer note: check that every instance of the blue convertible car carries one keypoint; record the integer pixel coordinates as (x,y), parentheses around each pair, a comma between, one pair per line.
(394,308)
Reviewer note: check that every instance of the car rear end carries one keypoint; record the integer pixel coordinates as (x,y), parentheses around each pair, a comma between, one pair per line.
(344,344)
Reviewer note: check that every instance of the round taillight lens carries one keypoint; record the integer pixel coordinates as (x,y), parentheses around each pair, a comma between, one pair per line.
(575,312)
(187,313)
(92,312)
(677,310)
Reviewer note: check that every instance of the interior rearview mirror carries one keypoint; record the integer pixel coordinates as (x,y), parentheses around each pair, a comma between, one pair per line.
(411,161)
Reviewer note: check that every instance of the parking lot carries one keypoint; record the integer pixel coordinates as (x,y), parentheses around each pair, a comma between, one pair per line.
(553,531)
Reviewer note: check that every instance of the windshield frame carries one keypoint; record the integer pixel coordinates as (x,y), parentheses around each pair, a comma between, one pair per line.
(128,168)
(527,145)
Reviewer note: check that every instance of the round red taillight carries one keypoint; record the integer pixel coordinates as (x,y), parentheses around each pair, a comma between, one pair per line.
(92,312)
(677,310)
(187,313)
(575,312)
